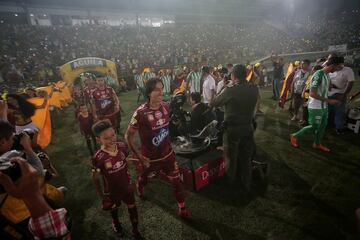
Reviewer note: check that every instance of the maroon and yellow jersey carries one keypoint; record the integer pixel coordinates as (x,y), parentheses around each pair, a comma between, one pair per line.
(114,170)
(104,100)
(153,127)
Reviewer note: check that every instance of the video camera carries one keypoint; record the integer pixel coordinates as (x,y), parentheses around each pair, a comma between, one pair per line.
(179,118)
(177,102)
(9,168)
(17,138)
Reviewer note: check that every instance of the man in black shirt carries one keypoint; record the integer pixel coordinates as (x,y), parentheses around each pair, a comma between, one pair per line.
(278,73)
(200,114)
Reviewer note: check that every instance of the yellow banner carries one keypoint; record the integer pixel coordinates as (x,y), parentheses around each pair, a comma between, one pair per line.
(54,96)
(181,88)
(285,86)
(250,75)
(42,120)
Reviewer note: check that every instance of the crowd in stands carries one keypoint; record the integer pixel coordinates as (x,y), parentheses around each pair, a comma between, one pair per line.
(320,35)
(32,53)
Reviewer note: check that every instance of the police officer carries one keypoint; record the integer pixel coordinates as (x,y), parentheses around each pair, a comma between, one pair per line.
(239,99)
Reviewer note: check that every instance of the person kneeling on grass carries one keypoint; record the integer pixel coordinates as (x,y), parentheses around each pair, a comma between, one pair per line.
(318,104)
(109,163)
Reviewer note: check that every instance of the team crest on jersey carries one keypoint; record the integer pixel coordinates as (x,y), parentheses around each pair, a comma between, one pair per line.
(119,165)
(150,117)
(160,122)
(158,114)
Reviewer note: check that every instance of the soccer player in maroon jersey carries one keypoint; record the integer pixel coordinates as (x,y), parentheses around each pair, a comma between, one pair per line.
(106,104)
(90,86)
(151,120)
(78,98)
(85,120)
(109,163)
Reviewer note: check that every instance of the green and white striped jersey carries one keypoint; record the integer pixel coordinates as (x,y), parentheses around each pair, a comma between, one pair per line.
(148,75)
(194,79)
(320,82)
(139,81)
(166,79)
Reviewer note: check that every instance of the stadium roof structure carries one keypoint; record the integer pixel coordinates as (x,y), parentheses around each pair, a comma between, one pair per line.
(237,9)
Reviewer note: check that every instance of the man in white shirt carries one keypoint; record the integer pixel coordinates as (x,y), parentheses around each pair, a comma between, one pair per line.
(341,83)
(209,85)
(221,84)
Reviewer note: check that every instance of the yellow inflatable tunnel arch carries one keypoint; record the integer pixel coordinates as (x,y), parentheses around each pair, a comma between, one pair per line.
(71,70)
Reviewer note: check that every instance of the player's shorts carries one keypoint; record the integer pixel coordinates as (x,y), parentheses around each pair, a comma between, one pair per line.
(112,202)
(168,166)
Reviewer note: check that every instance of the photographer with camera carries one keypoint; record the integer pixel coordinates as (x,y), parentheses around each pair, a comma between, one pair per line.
(13,211)
(20,112)
(8,140)
(45,223)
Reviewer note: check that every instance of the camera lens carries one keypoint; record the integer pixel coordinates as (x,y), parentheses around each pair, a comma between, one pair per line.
(11,169)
